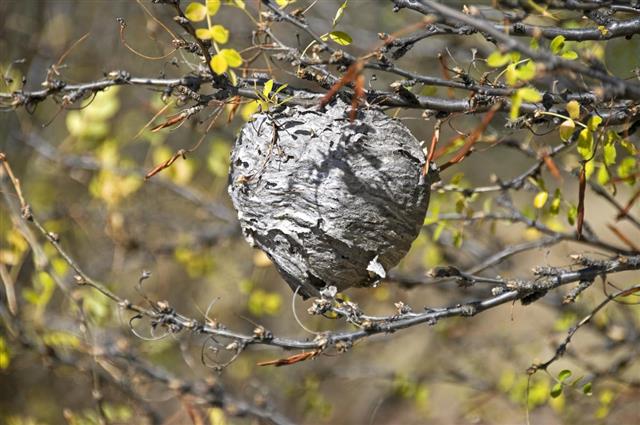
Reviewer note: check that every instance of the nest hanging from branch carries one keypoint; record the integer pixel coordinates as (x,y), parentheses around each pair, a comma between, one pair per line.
(330,201)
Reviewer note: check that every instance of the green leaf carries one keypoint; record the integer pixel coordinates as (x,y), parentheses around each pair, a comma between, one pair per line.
(574,384)
(554,208)
(587,389)
(589,168)
(5,354)
(540,199)
(612,137)
(609,154)
(569,55)
(627,167)
(195,12)
(572,214)
(511,75)
(630,147)
(456,179)
(527,71)
(603,175)
(585,143)
(438,231)
(566,129)
(497,59)
(339,13)
(556,390)
(457,238)
(282,87)
(341,37)
(557,44)
(60,339)
(527,94)
(460,204)
(564,374)
(594,122)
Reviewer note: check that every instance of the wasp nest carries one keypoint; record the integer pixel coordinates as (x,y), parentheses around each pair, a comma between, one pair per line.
(330,201)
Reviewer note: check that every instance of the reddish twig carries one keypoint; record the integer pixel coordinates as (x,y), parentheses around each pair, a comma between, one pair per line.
(623,238)
(553,168)
(581,189)
(296,358)
(353,75)
(473,138)
(627,207)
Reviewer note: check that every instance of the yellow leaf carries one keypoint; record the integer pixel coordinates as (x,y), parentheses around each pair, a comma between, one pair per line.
(218,159)
(585,143)
(516,102)
(341,37)
(573,108)
(75,124)
(511,75)
(219,64)
(272,303)
(233,77)
(182,171)
(60,339)
(232,57)
(603,175)
(594,122)
(249,109)
(195,12)
(212,7)
(220,34)
(203,33)
(339,13)
(589,168)
(540,199)
(260,259)
(529,94)
(527,71)
(566,129)
(217,416)
(268,86)
(5,356)
(497,59)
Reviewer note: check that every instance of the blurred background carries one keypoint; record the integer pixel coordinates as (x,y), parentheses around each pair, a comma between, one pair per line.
(82,170)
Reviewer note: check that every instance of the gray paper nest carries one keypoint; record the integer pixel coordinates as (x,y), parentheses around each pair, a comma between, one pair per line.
(331,202)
